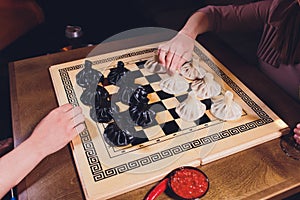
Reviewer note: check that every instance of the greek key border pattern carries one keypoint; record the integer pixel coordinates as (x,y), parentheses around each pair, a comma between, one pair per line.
(86,140)
(90,151)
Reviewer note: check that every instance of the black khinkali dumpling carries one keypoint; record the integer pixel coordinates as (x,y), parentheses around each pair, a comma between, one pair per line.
(88,76)
(124,94)
(94,95)
(101,114)
(115,136)
(101,96)
(126,87)
(139,109)
(139,96)
(102,110)
(116,73)
(141,114)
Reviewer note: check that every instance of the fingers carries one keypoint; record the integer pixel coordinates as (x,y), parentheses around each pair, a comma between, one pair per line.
(175,52)
(66,107)
(177,62)
(73,112)
(75,115)
(78,119)
(79,128)
(162,57)
(297,129)
(297,133)
(187,56)
(168,59)
(76,111)
(297,138)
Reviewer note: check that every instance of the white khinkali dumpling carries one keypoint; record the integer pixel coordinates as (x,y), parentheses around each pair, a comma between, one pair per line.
(206,87)
(191,109)
(225,108)
(153,66)
(192,70)
(174,84)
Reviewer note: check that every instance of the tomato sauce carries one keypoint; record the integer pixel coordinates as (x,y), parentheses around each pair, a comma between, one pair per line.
(189,183)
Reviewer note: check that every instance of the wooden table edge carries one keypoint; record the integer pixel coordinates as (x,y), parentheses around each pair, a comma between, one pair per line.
(16,123)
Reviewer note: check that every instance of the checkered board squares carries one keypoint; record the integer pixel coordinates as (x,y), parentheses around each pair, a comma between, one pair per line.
(169,141)
(166,122)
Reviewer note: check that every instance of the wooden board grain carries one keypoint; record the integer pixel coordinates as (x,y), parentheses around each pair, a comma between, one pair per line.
(107,171)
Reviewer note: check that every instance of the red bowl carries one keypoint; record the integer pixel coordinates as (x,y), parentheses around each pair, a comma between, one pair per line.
(183,183)
(188,183)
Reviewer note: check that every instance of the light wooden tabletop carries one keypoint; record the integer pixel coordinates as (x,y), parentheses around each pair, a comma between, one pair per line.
(261,172)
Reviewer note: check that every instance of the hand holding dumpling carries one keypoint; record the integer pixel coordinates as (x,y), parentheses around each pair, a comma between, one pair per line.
(174,53)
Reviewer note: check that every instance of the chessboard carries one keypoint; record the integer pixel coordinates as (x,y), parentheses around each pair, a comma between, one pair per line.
(168,142)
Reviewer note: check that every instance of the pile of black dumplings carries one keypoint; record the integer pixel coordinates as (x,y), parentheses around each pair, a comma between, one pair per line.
(120,128)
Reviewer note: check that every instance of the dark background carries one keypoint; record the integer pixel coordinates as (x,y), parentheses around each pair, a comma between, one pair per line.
(99,20)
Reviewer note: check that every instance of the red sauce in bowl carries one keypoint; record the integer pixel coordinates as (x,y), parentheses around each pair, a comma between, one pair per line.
(189,183)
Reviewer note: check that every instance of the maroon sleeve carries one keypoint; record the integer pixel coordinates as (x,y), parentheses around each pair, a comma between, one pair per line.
(246,17)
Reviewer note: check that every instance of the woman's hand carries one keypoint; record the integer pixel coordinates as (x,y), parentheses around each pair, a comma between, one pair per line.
(297,133)
(57,129)
(53,132)
(175,52)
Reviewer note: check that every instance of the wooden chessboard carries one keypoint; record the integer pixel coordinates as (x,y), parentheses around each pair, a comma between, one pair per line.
(169,142)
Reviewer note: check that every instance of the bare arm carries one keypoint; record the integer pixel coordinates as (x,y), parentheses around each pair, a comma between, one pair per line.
(197,24)
(178,50)
(56,130)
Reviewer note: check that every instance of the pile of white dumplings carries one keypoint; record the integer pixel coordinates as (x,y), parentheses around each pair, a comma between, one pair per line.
(203,86)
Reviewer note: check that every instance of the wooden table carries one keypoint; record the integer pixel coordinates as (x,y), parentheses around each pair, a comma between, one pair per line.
(260,172)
